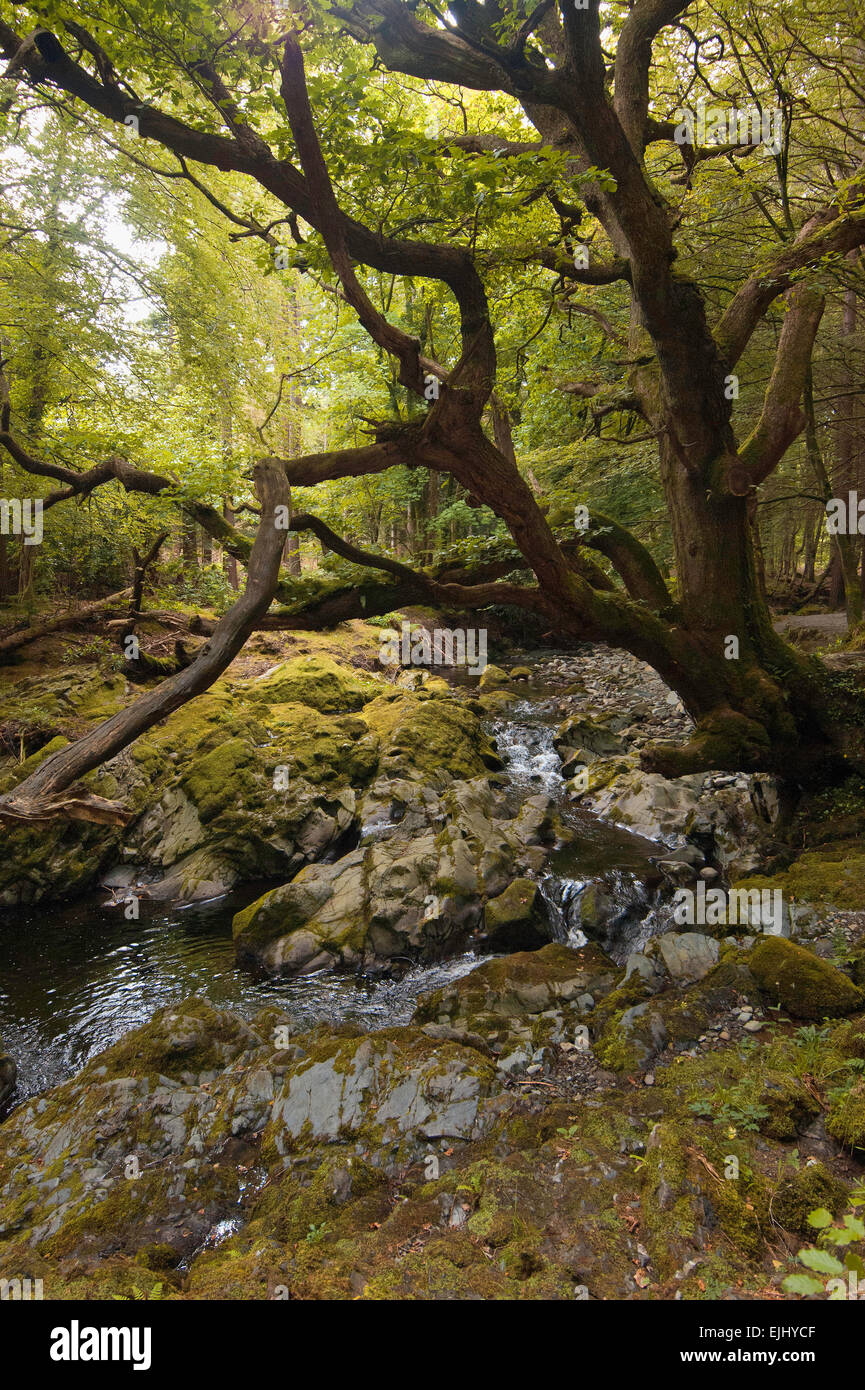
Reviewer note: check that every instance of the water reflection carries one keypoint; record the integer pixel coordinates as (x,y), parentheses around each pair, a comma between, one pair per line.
(75,978)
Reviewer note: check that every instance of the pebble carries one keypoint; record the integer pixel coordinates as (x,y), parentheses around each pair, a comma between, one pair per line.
(753,1026)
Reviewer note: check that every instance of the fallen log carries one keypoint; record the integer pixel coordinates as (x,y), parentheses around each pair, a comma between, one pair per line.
(68,619)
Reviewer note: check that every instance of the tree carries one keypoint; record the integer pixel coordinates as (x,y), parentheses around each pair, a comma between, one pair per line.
(604,94)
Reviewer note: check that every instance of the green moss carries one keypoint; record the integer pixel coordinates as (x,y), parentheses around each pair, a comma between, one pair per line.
(523,983)
(797,1196)
(849,1038)
(790,1104)
(19,771)
(492,678)
(834,874)
(179,1040)
(800,982)
(741,1207)
(316,681)
(249,1266)
(221,778)
(846,1117)
(428,737)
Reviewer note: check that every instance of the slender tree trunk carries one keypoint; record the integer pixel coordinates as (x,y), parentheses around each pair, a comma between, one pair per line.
(293,426)
(31,798)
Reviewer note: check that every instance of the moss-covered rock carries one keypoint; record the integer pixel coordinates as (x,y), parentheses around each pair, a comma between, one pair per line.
(526,1000)
(253,779)
(800,982)
(849,1038)
(404,1163)
(797,1196)
(43,859)
(516,920)
(789,1105)
(594,734)
(422,736)
(417,895)
(832,874)
(635,1023)
(316,681)
(396,1091)
(492,678)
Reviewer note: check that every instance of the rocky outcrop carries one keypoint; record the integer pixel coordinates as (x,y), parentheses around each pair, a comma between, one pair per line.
(253,779)
(517,920)
(520,1004)
(729,817)
(481,1152)
(416,892)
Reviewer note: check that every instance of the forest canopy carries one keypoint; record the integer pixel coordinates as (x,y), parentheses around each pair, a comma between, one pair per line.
(459,276)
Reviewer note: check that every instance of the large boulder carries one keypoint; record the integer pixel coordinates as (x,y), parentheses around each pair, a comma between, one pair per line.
(524,1001)
(732,817)
(253,779)
(687,956)
(517,919)
(204,1157)
(318,682)
(395,1090)
(800,982)
(594,734)
(155,1150)
(417,896)
(493,678)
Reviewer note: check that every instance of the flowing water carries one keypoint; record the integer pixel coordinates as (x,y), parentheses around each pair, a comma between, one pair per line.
(74,978)
(596,850)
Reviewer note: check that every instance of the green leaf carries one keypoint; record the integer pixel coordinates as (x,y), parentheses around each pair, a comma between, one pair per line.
(802,1284)
(820,1260)
(820,1218)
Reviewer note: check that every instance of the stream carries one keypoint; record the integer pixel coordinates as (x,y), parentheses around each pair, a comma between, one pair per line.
(75,977)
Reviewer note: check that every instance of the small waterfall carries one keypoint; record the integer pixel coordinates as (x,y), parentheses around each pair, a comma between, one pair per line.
(526,746)
(614,862)
(562,898)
